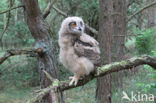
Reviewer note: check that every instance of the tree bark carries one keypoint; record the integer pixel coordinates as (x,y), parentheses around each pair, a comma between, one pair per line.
(103,90)
(119,28)
(112,24)
(39,30)
(151,15)
(101,71)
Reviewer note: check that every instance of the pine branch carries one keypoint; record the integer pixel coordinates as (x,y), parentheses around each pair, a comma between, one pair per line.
(101,71)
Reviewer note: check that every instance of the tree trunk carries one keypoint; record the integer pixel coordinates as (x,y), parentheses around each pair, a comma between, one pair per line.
(39,31)
(119,29)
(151,15)
(112,29)
(103,90)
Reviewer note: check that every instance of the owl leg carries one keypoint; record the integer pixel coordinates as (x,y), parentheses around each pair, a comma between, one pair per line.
(74,80)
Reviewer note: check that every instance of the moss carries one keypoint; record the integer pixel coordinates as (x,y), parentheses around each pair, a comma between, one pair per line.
(108,66)
(123,63)
(55,83)
(104,68)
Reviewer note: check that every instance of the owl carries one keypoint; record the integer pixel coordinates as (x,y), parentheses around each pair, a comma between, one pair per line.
(78,52)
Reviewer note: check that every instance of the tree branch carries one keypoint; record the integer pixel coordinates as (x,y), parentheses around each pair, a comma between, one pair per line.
(8,20)
(94,31)
(14,52)
(65,15)
(60,12)
(47,10)
(142,9)
(101,71)
(11,9)
(51,5)
(130,3)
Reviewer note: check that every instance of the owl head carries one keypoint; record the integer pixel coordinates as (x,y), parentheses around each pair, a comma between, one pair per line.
(73,25)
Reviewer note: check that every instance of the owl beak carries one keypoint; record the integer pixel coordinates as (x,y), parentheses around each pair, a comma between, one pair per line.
(80,29)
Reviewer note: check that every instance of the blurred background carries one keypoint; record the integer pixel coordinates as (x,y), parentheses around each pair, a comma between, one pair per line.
(19,74)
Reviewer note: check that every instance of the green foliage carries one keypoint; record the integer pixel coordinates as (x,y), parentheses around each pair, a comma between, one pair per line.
(144,41)
(14,95)
(85,94)
(146,87)
(3,5)
(19,72)
(152,85)
(18,35)
(43,4)
(145,44)
(89,10)
(140,82)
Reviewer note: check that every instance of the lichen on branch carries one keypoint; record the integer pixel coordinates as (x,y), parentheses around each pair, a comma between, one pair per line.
(101,71)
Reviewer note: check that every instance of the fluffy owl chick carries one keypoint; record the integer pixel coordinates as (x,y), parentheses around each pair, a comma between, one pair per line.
(72,28)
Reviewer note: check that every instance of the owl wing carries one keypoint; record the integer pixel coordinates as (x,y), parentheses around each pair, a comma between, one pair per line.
(88,39)
(88,47)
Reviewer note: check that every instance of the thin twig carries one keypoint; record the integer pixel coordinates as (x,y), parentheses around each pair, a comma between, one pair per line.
(91,29)
(60,11)
(47,10)
(11,9)
(48,75)
(142,9)
(51,5)
(7,24)
(130,3)
(66,15)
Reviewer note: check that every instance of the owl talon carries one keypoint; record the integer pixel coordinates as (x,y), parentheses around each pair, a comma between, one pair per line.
(71,77)
(74,80)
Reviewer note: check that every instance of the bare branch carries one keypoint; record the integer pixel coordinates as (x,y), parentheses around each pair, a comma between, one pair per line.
(11,9)
(91,29)
(40,95)
(101,71)
(130,3)
(60,12)
(8,20)
(142,9)
(47,10)
(48,75)
(66,15)
(14,52)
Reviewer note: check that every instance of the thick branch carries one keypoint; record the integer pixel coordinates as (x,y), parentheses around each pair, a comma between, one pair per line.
(142,9)
(101,71)
(14,52)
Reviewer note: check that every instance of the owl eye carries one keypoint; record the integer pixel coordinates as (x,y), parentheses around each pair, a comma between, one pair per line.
(81,23)
(73,24)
